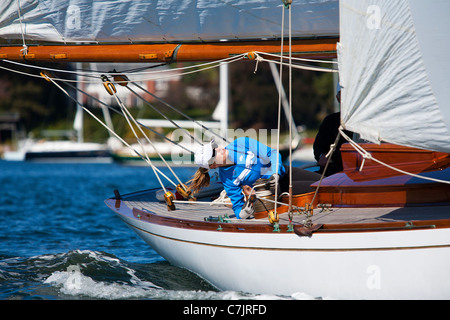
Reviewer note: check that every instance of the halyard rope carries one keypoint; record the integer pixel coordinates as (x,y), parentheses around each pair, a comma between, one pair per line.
(170,73)
(24,45)
(103,124)
(128,116)
(279,109)
(116,111)
(177,110)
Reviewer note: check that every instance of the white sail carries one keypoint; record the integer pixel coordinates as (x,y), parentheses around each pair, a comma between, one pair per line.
(162,20)
(394,66)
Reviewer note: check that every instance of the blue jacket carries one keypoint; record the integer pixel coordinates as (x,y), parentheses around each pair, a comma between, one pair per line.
(253,160)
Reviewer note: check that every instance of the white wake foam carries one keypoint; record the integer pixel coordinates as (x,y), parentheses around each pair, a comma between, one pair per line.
(73,282)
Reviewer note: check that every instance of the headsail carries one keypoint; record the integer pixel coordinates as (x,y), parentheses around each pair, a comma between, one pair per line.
(394,65)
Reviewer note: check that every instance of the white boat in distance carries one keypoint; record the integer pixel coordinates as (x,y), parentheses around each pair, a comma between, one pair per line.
(370,232)
(62,151)
(68,151)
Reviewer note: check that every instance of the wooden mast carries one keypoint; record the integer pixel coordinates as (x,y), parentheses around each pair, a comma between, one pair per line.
(170,52)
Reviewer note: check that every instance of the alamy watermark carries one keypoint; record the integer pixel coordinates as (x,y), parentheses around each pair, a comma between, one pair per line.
(74,279)
(373,21)
(373,281)
(189,142)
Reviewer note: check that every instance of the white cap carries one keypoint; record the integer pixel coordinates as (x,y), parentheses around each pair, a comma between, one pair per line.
(203,155)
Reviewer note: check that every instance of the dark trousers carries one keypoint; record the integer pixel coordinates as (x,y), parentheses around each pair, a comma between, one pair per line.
(301,180)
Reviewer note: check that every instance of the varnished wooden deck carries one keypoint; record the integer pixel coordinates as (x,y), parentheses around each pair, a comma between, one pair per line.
(198,211)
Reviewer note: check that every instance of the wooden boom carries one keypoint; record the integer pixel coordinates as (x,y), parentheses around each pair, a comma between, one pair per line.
(169,52)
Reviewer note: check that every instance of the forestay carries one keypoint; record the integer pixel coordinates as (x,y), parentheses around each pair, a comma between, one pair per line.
(162,20)
(394,65)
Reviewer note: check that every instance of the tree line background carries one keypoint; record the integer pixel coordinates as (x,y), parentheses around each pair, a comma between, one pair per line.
(253,100)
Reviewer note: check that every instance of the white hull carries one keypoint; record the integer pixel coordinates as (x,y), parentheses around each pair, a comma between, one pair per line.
(407,264)
(61,152)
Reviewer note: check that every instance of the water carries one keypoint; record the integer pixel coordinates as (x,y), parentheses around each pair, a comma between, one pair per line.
(53,222)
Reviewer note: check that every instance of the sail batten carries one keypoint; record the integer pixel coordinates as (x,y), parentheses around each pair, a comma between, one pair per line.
(393,71)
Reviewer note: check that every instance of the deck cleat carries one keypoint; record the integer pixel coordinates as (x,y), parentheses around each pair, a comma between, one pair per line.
(168,196)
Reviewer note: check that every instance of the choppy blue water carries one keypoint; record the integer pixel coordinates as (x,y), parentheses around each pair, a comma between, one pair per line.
(53,220)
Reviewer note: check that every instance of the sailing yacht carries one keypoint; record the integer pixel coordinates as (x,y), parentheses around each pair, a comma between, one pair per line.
(380,229)
(67,150)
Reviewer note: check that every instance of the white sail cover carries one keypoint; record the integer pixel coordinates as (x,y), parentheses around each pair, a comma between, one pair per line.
(394,65)
(162,20)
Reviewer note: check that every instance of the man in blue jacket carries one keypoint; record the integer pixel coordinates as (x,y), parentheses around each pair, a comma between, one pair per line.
(241,163)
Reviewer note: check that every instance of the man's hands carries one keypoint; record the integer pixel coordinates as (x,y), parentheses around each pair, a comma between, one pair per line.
(247,211)
(274,180)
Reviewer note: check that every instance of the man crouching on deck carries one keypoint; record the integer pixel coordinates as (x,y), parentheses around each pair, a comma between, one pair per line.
(241,163)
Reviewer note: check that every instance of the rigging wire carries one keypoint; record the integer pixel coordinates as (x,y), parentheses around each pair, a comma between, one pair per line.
(279,111)
(179,111)
(68,81)
(162,114)
(200,67)
(24,45)
(290,110)
(128,116)
(134,70)
(259,58)
(296,58)
(367,155)
(227,60)
(48,78)
(96,75)
(118,112)
(328,156)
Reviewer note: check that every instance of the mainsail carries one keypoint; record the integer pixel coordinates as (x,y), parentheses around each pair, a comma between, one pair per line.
(393,67)
(161,30)
(161,20)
